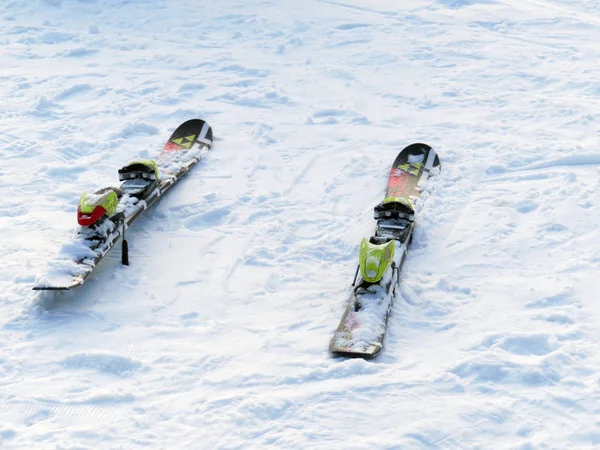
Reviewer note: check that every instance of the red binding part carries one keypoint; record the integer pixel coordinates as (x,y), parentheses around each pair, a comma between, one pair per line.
(86,220)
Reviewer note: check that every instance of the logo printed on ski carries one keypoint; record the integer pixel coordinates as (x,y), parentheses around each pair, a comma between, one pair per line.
(412,169)
(171,147)
(185,142)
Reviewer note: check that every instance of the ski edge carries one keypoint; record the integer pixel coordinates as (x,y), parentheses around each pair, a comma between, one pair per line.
(58,288)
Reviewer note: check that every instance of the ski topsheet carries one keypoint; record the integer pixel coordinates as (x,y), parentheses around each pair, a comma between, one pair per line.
(78,258)
(362,329)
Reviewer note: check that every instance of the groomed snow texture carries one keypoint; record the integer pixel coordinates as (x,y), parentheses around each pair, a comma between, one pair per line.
(216,336)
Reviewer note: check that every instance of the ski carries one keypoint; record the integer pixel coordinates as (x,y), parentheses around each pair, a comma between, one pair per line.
(362,329)
(105,215)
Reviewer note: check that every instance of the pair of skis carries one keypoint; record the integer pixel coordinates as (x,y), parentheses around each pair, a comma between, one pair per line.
(105,216)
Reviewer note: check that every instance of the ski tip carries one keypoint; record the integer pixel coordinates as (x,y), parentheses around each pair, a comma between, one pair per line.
(193,133)
(417,149)
(419,145)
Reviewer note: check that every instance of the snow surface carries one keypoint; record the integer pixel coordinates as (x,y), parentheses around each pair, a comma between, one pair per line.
(217,334)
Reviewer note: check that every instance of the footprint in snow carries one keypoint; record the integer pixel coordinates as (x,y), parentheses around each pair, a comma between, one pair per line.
(73,91)
(352,26)
(56,37)
(561,299)
(536,344)
(102,362)
(525,206)
(217,216)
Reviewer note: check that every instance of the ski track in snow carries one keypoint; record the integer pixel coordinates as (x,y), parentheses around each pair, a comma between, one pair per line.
(217,335)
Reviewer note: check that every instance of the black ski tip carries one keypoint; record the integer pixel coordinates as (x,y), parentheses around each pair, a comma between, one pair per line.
(416,149)
(202,131)
(417,145)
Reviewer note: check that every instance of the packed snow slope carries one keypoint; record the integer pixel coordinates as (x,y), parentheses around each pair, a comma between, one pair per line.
(216,336)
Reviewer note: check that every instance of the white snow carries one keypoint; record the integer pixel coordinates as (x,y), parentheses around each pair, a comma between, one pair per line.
(415,159)
(217,334)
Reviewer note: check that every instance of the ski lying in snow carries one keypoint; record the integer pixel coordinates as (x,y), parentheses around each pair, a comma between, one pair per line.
(105,215)
(362,328)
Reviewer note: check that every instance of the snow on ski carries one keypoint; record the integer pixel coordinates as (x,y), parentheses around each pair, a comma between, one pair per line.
(144,182)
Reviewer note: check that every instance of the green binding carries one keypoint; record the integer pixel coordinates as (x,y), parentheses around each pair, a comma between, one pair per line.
(107,198)
(375,259)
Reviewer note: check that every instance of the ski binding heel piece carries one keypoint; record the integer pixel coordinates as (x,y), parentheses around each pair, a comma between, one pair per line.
(92,207)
